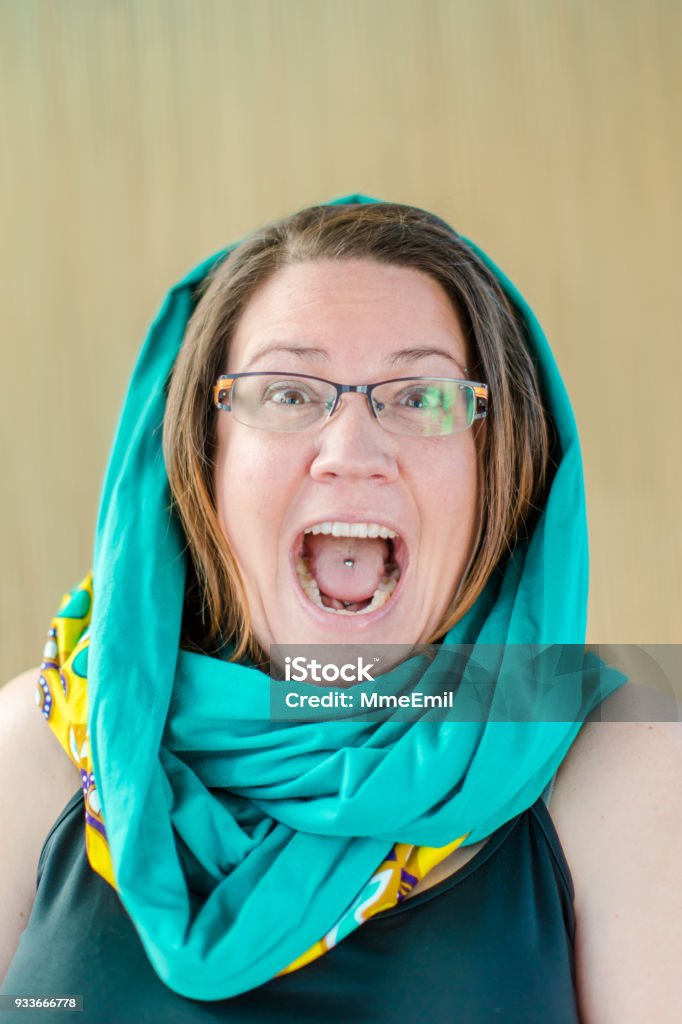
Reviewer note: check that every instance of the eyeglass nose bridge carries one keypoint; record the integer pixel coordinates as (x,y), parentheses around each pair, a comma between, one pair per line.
(360,389)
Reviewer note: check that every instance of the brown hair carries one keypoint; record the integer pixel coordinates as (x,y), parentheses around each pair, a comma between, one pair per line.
(513,445)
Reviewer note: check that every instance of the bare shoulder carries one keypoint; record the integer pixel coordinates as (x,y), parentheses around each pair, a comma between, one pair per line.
(617,807)
(24,735)
(37,779)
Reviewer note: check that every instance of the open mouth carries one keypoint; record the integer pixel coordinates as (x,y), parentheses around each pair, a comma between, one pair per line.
(349,568)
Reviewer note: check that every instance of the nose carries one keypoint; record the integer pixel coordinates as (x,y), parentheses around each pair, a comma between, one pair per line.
(353,444)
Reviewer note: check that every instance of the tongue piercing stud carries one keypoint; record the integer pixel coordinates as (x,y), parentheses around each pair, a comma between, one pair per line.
(346,604)
(350,562)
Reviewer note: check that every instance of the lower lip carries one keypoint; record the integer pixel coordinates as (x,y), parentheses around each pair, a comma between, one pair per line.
(348,623)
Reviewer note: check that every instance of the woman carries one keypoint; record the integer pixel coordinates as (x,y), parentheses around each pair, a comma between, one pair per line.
(368,868)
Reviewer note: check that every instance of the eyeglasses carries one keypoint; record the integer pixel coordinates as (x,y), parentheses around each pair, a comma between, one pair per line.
(418,406)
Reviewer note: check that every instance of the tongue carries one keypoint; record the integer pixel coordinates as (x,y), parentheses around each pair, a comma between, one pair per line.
(327,557)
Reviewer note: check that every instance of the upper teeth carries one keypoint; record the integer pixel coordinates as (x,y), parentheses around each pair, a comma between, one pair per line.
(352,529)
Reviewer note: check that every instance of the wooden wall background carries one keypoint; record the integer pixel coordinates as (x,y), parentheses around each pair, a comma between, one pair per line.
(138,136)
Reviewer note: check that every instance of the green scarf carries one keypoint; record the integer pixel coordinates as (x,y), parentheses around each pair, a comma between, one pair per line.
(236,842)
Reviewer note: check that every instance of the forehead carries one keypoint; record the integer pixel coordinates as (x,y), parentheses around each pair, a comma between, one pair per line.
(355,308)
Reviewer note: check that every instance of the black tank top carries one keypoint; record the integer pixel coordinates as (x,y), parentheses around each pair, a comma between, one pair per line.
(494,942)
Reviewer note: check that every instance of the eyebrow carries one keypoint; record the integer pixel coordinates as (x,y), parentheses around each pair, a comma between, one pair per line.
(392,360)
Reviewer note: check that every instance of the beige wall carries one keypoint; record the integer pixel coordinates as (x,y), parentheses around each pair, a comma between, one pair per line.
(138,137)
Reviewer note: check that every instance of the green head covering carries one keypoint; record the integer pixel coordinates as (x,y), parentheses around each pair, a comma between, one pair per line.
(237,841)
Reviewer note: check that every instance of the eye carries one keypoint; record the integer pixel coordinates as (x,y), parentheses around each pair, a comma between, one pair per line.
(422,397)
(289,397)
(286,393)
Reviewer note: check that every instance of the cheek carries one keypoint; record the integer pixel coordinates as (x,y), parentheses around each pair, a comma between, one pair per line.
(250,483)
(450,487)
(452,472)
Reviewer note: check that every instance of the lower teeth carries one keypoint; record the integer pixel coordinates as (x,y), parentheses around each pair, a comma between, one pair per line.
(384,589)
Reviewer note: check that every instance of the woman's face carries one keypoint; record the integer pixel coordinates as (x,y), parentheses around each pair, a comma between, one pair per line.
(347,321)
